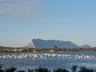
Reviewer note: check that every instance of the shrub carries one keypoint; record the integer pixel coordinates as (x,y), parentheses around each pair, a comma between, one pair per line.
(60,70)
(12,69)
(39,70)
(83,69)
(74,67)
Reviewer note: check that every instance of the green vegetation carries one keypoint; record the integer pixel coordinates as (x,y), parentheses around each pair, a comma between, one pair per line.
(55,49)
(40,69)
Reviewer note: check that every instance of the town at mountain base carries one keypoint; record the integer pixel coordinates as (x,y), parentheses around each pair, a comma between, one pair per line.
(40,43)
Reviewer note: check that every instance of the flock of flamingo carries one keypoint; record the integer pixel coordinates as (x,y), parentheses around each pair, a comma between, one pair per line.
(47,55)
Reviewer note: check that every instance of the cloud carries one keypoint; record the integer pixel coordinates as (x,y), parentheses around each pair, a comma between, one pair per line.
(20,7)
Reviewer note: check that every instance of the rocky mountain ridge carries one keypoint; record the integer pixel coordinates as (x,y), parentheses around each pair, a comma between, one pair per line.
(40,43)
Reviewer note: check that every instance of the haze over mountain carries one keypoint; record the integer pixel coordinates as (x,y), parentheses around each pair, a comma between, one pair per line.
(40,43)
(31,45)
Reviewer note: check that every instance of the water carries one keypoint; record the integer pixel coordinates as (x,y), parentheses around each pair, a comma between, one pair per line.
(50,60)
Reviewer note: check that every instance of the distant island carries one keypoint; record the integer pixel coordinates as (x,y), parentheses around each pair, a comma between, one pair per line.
(40,43)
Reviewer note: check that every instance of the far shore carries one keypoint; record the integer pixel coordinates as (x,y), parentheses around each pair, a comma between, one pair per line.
(21,49)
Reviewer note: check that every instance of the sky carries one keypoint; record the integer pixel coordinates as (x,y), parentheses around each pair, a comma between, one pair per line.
(66,20)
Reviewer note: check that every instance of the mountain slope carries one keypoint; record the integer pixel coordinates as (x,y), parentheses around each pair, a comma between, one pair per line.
(31,45)
(40,43)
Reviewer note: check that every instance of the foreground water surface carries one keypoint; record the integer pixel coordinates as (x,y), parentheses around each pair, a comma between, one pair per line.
(50,60)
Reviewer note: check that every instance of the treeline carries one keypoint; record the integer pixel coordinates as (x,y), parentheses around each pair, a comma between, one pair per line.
(21,49)
(40,69)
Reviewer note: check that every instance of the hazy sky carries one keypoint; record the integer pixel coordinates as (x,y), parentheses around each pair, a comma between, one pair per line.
(68,20)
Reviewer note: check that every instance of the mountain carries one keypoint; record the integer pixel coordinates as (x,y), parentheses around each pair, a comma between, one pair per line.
(31,45)
(1,47)
(85,46)
(40,43)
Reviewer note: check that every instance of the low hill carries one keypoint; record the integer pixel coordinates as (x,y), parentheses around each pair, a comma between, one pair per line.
(85,46)
(1,47)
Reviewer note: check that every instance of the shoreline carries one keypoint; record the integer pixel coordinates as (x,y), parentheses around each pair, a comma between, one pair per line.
(46,49)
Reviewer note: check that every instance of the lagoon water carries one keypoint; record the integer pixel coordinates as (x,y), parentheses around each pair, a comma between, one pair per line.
(50,60)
